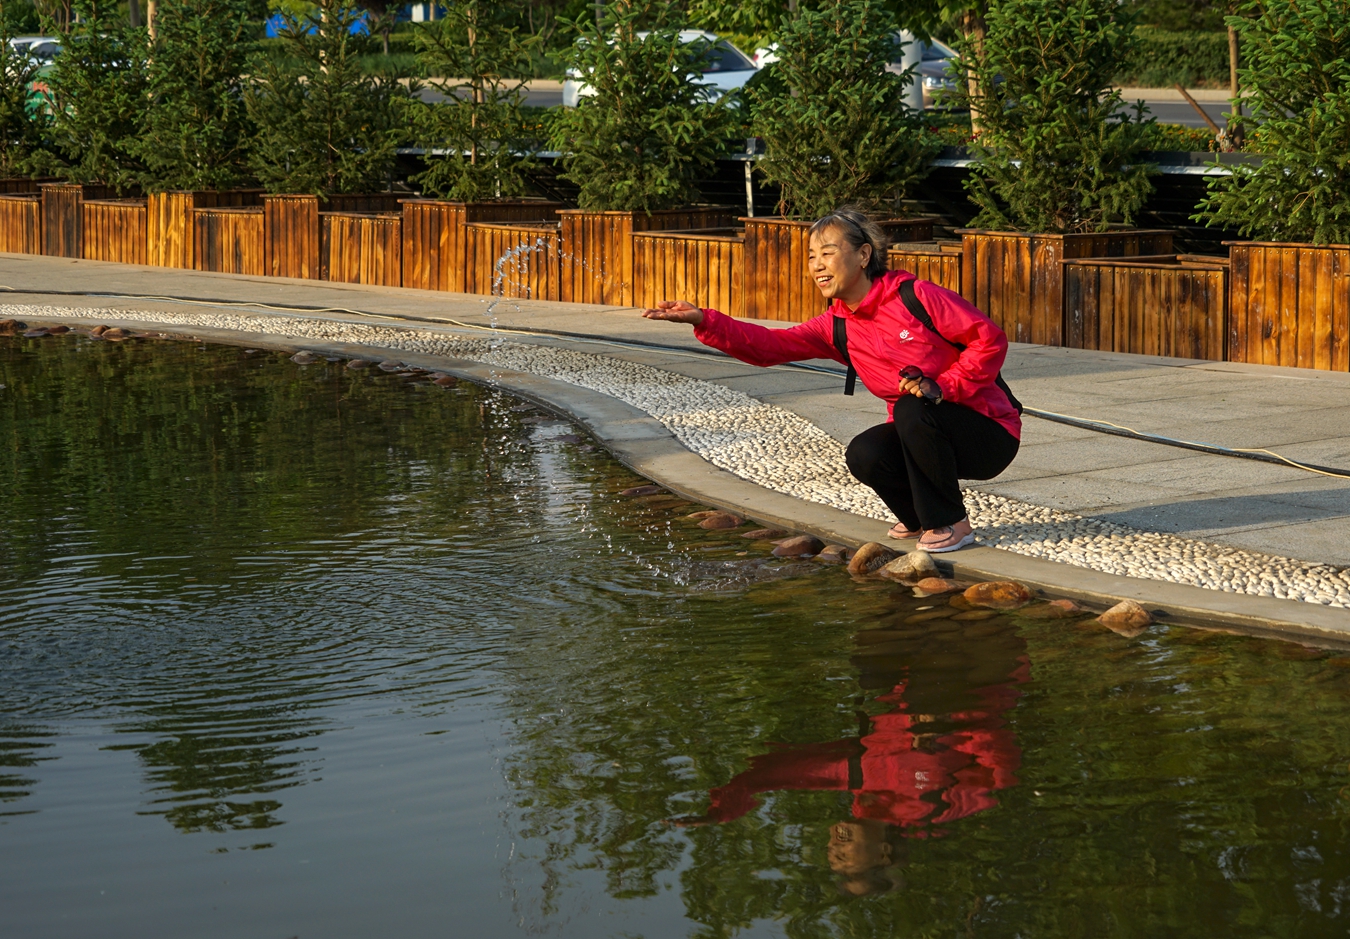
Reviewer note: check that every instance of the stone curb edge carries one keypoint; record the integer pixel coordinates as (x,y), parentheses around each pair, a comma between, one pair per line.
(641,443)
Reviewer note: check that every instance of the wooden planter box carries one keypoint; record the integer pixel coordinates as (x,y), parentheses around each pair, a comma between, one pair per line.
(597,248)
(435,237)
(514,259)
(938,262)
(357,248)
(169,225)
(21,224)
(778,285)
(228,240)
(23,185)
(1173,305)
(705,267)
(114,230)
(1289,304)
(1018,280)
(291,235)
(63,217)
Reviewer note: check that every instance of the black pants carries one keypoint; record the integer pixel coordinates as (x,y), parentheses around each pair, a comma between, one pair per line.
(914,462)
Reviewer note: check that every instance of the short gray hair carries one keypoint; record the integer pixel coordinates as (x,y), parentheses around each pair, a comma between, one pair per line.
(858,229)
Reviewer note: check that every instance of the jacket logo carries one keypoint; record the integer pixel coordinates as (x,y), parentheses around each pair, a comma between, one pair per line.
(905,336)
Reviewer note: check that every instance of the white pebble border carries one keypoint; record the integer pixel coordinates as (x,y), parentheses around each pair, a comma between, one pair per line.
(784,452)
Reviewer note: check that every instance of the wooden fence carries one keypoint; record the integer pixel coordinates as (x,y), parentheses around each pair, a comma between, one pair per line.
(228,240)
(514,259)
(1170,305)
(597,259)
(169,226)
(1290,305)
(936,261)
(436,242)
(21,224)
(777,283)
(1018,280)
(704,267)
(114,230)
(357,248)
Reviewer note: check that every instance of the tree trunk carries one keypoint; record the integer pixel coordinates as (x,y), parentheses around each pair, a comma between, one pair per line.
(151,8)
(973,27)
(1236,132)
(134,14)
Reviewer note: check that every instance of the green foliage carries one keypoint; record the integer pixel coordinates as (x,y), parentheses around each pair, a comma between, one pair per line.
(22,117)
(1054,155)
(97,94)
(480,122)
(1296,56)
(324,124)
(1179,137)
(196,131)
(639,141)
(1162,59)
(20,18)
(837,128)
(1180,15)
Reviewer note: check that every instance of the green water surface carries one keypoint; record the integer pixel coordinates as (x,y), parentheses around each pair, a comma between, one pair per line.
(308,651)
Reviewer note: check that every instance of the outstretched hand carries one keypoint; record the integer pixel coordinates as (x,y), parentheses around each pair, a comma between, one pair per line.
(676,311)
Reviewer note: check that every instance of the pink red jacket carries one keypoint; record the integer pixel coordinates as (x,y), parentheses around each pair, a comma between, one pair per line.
(883,337)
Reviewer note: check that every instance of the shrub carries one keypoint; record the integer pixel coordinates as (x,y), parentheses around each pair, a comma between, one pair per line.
(1055,154)
(1162,58)
(22,118)
(834,121)
(96,96)
(196,131)
(1296,56)
(647,131)
(323,124)
(479,124)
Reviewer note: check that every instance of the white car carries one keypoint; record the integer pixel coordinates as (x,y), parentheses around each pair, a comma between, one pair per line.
(728,69)
(42,48)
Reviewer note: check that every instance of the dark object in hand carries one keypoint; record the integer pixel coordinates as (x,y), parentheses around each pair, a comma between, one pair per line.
(911,373)
(927,387)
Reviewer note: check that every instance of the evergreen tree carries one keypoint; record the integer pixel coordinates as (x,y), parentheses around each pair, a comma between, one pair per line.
(648,129)
(479,124)
(834,120)
(1297,66)
(196,131)
(22,117)
(323,124)
(96,97)
(1056,152)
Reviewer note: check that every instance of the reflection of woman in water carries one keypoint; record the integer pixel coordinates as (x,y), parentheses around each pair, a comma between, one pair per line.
(898,773)
(939,753)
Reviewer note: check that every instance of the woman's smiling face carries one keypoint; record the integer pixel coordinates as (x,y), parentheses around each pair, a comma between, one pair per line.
(837,267)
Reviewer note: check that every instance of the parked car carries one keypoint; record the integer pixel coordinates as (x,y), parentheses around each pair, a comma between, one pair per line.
(42,48)
(937,70)
(728,69)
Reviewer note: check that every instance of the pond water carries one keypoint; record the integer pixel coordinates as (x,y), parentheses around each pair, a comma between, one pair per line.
(307,651)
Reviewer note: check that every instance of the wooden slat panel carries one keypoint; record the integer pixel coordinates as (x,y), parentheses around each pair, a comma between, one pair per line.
(1175,309)
(698,266)
(517,260)
(435,244)
(229,240)
(114,230)
(291,235)
(21,224)
(61,219)
(357,248)
(940,264)
(1288,304)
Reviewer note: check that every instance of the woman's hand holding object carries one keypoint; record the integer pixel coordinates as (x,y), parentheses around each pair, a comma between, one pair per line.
(676,311)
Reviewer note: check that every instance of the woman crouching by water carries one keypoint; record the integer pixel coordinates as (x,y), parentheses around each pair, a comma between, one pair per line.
(951,415)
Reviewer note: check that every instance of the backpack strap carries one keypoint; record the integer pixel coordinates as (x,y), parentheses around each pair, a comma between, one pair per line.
(841,345)
(920,313)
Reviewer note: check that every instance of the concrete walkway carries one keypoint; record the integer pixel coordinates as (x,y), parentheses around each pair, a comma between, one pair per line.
(1304,415)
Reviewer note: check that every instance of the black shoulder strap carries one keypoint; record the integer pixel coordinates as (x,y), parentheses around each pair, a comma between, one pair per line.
(841,344)
(920,313)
